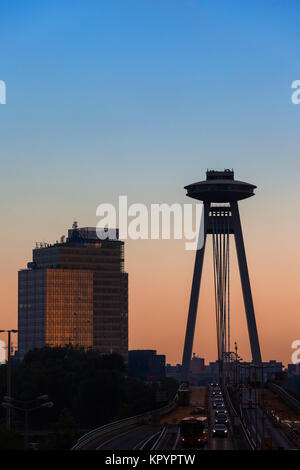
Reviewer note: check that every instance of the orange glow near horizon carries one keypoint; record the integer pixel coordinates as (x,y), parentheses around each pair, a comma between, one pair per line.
(160,274)
(160,282)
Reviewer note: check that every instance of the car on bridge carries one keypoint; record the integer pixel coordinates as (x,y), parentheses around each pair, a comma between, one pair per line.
(217,394)
(217,402)
(221,407)
(221,411)
(220,430)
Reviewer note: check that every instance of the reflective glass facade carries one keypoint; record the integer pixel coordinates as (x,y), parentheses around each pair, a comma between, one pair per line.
(69,308)
(31,310)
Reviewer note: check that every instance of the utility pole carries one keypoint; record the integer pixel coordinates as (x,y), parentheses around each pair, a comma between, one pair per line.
(8,384)
(8,375)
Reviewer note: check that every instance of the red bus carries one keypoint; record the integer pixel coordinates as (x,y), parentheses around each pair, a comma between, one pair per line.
(193,431)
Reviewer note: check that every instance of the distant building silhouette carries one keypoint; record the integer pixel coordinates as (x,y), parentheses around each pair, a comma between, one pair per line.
(75,292)
(294,369)
(197,364)
(146,365)
(200,374)
(174,372)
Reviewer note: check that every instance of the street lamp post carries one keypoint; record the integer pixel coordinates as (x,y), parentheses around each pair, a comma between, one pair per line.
(263,401)
(8,380)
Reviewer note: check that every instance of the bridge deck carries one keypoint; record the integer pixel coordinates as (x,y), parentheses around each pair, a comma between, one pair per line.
(282,410)
(197,398)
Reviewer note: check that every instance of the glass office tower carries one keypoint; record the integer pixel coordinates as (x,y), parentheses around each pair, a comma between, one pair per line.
(75,292)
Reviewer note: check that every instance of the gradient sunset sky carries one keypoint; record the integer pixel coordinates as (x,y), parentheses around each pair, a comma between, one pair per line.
(139,98)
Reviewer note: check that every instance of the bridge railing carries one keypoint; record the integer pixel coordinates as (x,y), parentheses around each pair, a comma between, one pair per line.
(243,424)
(123,423)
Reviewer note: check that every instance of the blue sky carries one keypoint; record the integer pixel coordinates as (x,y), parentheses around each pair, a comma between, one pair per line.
(139,97)
(151,87)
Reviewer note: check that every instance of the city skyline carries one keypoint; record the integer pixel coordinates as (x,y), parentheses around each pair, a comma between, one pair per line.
(208,287)
(139,99)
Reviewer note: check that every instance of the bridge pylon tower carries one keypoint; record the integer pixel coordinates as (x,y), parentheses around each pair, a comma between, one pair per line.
(220,194)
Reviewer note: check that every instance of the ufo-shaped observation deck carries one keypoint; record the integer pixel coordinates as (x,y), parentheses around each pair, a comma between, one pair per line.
(220,186)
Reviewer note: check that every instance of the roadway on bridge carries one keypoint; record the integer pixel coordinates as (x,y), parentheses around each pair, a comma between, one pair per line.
(260,422)
(217,443)
(130,439)
(139,435)
(199,397)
